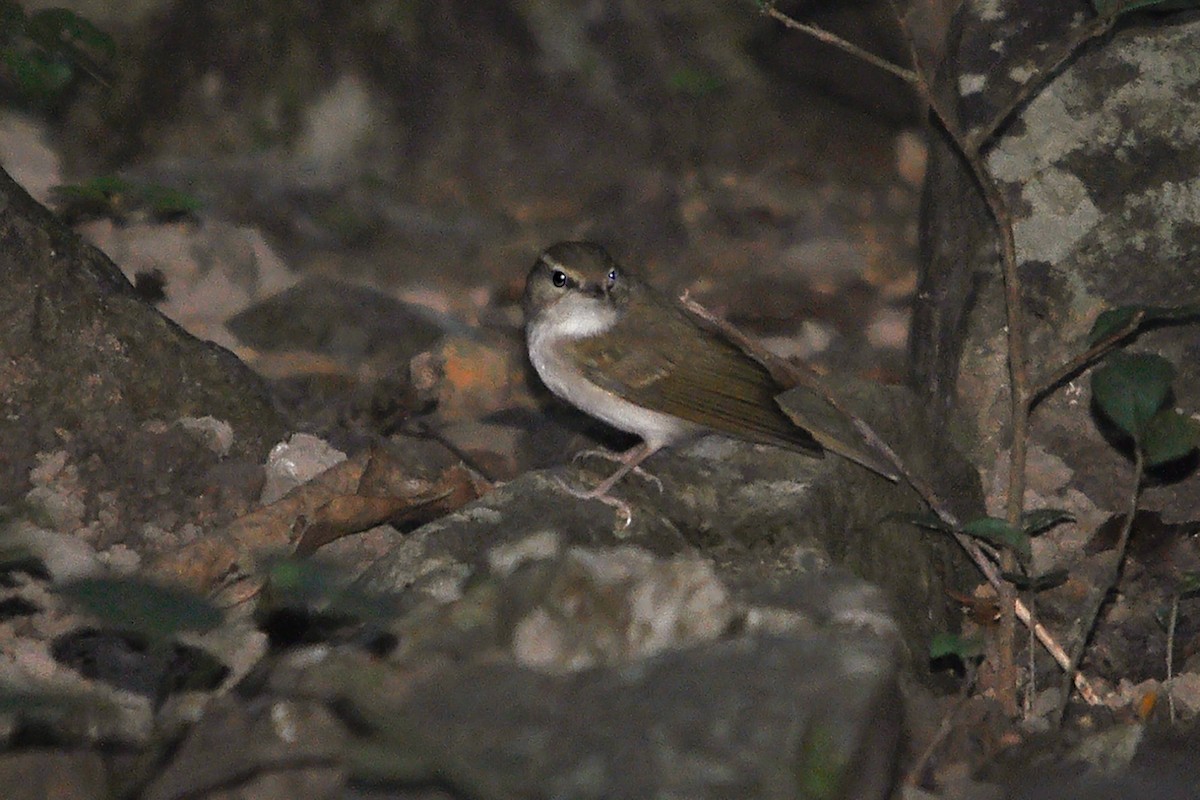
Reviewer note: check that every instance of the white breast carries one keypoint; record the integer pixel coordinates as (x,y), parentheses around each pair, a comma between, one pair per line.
(558,325)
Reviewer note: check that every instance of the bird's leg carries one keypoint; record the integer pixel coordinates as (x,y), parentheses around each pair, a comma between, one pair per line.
(629,461)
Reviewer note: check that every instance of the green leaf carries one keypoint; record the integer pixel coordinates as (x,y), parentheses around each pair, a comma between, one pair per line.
(302,583)
(66,31)
(1131,388)
(1169,435)
(1189,584)
(1000,533)
(37,75)
(929,521)
(164,201)
(954,644)
(156,611)
(1111,321)
(1115,319)
(694,82)
(1036,583)
(108,195)
(12,21)
(1037,522)
(1108,8)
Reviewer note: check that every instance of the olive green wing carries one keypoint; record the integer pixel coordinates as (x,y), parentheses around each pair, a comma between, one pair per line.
(693,374)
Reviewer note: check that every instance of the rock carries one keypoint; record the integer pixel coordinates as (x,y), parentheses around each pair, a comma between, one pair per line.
(1094,228)
(266,747)
(682,689)
(644,607)
(46,774)
(57,494)
(347,322)
(745,505)
(85,361)
(757,717)
(64,556)
(289,464)
(214,433)
(212,270)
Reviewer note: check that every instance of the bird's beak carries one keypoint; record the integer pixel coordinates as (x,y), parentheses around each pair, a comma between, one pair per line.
(593,290)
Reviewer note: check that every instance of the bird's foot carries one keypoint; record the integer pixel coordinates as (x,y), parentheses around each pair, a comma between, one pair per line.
(623,509)
(619,458)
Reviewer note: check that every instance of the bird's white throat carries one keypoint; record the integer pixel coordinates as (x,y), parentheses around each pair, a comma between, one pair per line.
(573,317)
(578,317)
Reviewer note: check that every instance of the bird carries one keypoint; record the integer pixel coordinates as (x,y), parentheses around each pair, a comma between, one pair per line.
(610,344)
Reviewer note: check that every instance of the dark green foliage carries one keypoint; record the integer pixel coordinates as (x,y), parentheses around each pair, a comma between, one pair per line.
(1169,435)
(109,196)
(139,606)
(1113,320)
(1132,390)
(953,645)
(1112,8)
(994,530)
(1038,521)
(1131,387)
(1036,583)
(301,583)
(1000,533)
(43,54)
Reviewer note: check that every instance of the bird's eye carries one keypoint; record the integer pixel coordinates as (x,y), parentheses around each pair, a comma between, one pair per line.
(558,278)
(612,277)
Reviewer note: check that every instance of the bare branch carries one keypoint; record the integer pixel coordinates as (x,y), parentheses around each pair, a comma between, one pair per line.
(820,34)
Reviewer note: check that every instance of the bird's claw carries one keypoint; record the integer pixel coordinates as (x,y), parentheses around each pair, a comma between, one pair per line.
(623,509)
(609,456)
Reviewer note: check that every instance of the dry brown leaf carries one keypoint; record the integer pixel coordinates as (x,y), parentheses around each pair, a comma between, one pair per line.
(343,516)
(355,495)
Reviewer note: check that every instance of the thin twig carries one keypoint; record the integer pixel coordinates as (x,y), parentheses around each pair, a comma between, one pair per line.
(883,461)
(978,139)
(1171,622)
(1018,375)
(784,369)
(1071,368)
(947,725)
(1019,381)
(1031,684)
(1056,651)
(1091,617)
(907,75)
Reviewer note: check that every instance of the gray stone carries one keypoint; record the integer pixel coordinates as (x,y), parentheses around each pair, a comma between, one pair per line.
(267,747)
(759,512)
(86,362)
(45,774)
(605,672)
(1099,169)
